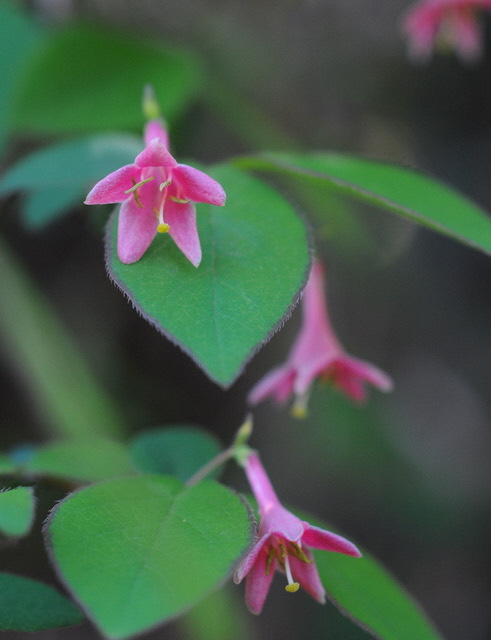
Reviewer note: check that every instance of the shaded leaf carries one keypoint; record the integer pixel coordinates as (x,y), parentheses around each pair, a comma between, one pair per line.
(138,551)
(99,85)
(394,188)
(174,451)
(255,261)
(28,605)
(16,511)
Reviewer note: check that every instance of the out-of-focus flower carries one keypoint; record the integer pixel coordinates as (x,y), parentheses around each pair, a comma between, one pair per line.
(283,542)
(157,195)
(317,353)
(446,25)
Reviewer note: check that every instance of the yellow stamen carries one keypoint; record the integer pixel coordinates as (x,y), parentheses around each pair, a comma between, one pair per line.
(163,227)
(165,184)
(134,190)
(292,586)
(180,200)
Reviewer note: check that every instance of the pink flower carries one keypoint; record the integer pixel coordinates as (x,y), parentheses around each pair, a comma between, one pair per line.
(317,353)
(157,195)
(448,24)
(283,542)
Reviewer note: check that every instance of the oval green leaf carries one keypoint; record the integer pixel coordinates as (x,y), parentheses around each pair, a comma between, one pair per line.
(28,605)
(82,460)
(174,451)
(99,85)
(136,552)
(16,511)
(255,261)
(394,188)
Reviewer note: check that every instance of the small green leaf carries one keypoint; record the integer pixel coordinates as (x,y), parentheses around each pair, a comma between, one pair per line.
(99,84)
(255,261)
(86,460)
(28,605)
(174,451)
(16,511)
(136,552)
(397,189)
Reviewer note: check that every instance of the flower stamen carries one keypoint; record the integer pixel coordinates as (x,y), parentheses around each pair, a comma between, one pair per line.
(292,586)
(135,187)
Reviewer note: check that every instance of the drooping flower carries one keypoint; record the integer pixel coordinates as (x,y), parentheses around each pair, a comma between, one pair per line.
(317,353)
(157,195)
(445,24)
(283,543)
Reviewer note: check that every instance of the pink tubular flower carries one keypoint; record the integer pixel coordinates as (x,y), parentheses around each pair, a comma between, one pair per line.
(283,543)
(450,24)
(157,195)
(317,352)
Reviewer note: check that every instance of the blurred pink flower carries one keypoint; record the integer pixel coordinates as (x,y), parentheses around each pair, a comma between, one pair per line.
(157,195)
(283,542)
(317,353)
(446,24)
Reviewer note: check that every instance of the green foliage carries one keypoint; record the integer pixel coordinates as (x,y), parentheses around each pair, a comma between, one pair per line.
(136,552)
(372,598)
(72,401)
(7,466)
(99,83)
(86,460)
(16,511)
(396,189)
(255,261)
(60,175)
(175,451)
(28,605)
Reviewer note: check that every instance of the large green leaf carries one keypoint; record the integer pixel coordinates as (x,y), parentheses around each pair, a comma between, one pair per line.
(82,460)
(60,175)
(28,605)
(255,261)
(395,188)
(174,451)
(86,78)
(16,511)
(138,551)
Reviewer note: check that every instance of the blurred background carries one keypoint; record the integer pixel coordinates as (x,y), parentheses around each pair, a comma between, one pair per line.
(406,475)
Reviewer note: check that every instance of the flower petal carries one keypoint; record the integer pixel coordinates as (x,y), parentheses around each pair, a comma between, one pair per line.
(246,565)
(112,188)
(258,583)
(198,186)
(136,230)
(278,382)
(306,574)
(280,522)
(155,154)
(327,541)
(181,217)
(350,374)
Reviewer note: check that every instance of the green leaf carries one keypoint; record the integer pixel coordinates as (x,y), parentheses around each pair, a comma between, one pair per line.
(396,189)
(86,78)
(174,451)
(16,511)
(18,37)
(136,552)
(7,466)
(255,261)
(72,402)
(372,598)
(59,176)
(28,605)
(87,460)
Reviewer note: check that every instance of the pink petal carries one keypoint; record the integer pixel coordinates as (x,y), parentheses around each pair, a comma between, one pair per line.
(307,576)
(328,541)
(136,230)
(155,154)
(112,188)
(182,221)
(278,382)
(258,583)
(155,129)
(281,522)
(197,186)
(351,369)
(468,34)
(246,565)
